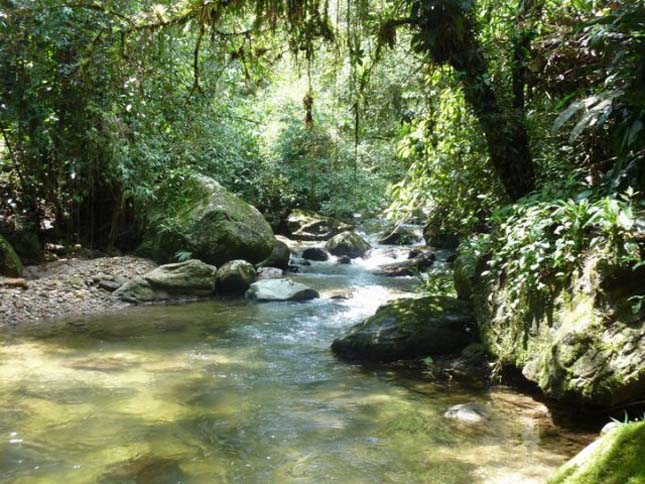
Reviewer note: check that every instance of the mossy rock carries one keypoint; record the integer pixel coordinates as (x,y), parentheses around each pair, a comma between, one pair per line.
(581,344)
(618,457)
(409,328)
(347,243)
(279,256)
(10,264)
(235,277)
(212,224)
(189,279)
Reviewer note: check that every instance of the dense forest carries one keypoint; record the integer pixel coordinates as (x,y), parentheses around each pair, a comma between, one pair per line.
(493,151)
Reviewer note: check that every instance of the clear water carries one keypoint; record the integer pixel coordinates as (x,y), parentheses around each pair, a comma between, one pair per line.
(230,391)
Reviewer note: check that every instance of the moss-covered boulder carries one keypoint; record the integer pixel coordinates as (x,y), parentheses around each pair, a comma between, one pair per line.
(618,457)
(235,277)
(279,256)
(210,223)
(347,243)
(583,343)
(409,328)
(10,264)
(188,279)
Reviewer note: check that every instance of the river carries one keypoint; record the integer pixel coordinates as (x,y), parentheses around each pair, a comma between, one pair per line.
(232,391)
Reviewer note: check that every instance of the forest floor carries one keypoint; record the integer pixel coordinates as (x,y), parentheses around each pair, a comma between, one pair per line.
(68,287)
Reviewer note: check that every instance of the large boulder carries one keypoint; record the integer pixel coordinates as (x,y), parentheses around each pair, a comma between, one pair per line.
(618,457)
(584,343)
(304,225)
(409,328)
(10,264)
(280,290)
(279,256)
(235,277)
(188,279)
(210,223)
(347,243)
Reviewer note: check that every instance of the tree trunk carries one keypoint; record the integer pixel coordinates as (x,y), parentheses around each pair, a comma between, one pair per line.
(505,133)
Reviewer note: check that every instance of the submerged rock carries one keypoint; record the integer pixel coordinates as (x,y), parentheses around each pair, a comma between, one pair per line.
(409,328)
(315,253)
(348,243)
(280,290)
(466,412)
(10,264)
(144,470)
(235,277)
(192,278)
(213,225)
(618,457)
(279,256)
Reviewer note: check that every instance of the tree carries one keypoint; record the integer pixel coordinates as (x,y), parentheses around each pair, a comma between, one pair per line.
(444,32)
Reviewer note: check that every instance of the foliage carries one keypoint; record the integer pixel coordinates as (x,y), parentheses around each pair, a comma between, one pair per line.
(537,244)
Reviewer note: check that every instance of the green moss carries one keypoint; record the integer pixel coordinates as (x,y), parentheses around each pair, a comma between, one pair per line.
(617,458)
(10,264)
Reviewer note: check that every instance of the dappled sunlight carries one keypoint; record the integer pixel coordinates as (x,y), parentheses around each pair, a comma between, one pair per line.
(243,392)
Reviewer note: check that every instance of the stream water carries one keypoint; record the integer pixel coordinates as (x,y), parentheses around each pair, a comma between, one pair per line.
(232,391)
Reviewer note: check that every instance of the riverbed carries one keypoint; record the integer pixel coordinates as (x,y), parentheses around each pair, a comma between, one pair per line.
(234,391)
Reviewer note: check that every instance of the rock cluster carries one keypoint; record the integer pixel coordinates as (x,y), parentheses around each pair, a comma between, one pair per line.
(68,288)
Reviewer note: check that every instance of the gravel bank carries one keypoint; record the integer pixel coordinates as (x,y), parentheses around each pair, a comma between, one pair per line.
(69,287)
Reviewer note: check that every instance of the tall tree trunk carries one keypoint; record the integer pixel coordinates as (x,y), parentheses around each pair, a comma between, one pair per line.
(504,129)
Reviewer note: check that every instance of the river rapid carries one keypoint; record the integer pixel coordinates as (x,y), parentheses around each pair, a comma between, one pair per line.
(234,391)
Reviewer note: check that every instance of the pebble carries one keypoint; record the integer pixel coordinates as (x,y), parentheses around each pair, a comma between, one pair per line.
(68,288)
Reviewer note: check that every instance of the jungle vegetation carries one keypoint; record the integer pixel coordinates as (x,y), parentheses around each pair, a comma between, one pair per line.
(519,120)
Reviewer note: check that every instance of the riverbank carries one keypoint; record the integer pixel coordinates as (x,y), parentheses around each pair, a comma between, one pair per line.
(68,287)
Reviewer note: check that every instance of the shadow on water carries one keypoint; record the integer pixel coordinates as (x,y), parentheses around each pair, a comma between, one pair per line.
(231,391)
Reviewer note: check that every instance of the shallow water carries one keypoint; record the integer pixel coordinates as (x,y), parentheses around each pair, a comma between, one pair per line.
(231,391)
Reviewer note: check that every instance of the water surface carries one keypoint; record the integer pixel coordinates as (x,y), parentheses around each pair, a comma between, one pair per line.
(232,391)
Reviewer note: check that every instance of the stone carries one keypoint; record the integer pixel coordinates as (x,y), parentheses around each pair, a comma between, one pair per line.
(211,224)
(109,286)
(235,277)
(14,282)
(189,279)
(408,329)
(584,345)
(280,290)
(10,264)
(466,412)
(270,273)
(347,243)
(315,253)
(279,256)
(419,263)
(344,259)
(614,458)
